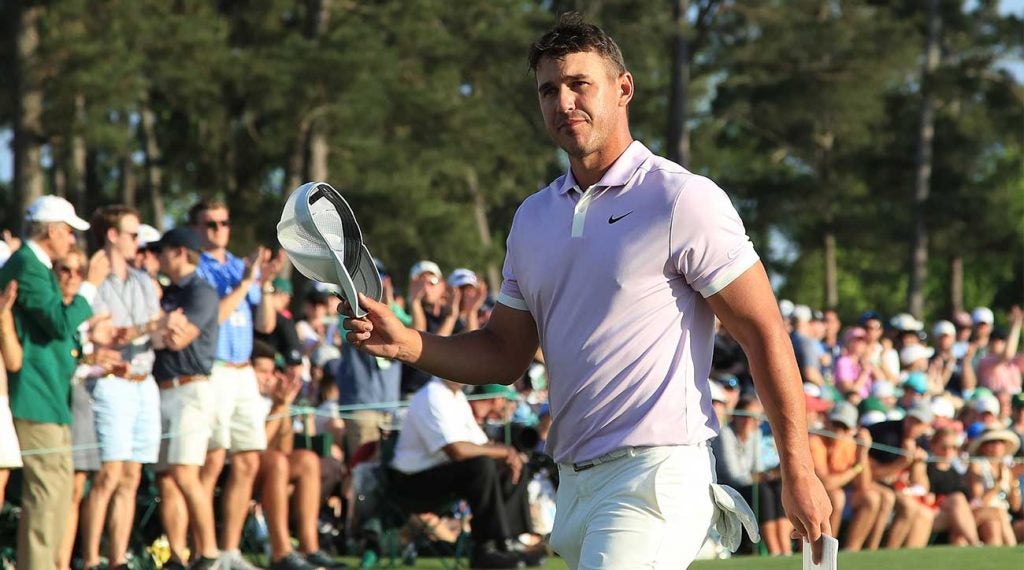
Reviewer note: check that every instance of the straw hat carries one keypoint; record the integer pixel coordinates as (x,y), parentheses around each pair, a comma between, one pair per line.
(996,434)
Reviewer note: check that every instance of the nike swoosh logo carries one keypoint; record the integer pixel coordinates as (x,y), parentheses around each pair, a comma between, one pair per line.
(613,219)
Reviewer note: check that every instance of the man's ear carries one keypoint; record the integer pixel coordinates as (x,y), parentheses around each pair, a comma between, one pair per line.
(625,88)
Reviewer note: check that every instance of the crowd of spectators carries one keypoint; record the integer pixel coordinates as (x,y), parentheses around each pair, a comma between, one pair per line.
(168,354)
(916,431)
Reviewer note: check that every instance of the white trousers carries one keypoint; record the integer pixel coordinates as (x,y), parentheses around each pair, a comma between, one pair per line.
(650,509)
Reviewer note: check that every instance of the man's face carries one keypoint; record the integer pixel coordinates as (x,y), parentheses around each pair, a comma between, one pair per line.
(70,271)
(169,258)
(433,287)
(264,368)
(125,240)
(214,227)
(945,342)
(583,100)
(832,323)
(874,328)
(61,237)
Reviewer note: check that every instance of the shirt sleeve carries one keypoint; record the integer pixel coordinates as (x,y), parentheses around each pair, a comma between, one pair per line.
(707,241)
(201,306)
(510,294)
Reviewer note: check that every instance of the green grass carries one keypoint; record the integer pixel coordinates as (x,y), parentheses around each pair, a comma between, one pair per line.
(935,558)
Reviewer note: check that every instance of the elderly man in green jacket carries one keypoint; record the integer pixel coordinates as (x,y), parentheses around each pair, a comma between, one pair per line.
(40,391)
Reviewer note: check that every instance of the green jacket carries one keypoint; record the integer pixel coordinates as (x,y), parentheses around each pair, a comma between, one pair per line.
(47,329)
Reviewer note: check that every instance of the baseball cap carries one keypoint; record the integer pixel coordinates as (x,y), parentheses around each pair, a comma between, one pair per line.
(717,392)
(988,404)
(282,285)
(499,390)
(55,209)
(873,417)
(148,235)
(844,413)
(802,313)
(179,237)
(321,236)
(943,328)
(786,308)
(943,408)
(921,411)
(854,333)
(462,276)
(815,404)
(983,315)
(917,381)
(906,322)
(872,404)
(868,316)
(914,352)
(425,266)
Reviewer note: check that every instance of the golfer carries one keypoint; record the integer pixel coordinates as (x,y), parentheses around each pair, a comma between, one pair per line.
(617,270)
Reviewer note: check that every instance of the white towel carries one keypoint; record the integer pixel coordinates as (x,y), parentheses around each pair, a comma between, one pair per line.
(732,515)
(829,554)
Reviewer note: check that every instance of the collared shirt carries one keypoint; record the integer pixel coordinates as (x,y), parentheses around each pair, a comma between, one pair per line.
(235,341)
(197,299)
(365,379)
(437,416)
(616,278)
(131,302)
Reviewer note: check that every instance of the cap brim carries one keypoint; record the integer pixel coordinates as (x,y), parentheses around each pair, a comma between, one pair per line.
(78,223)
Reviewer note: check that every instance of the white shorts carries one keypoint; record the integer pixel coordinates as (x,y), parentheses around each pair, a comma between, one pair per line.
(185,420)
(10,451)
(240,415)
(650,509)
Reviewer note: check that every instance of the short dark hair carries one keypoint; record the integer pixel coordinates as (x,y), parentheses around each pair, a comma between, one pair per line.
(202,206)
(574,35)
(109,217)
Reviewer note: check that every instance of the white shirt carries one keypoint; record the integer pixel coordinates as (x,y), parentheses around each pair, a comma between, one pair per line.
(436,417)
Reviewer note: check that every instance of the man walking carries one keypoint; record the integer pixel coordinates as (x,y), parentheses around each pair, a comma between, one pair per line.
(238,410)
(618,270)
(126,406)
(41,390)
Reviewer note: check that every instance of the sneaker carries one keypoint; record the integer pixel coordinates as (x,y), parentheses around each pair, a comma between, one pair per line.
(233,560)
(532,556)
(490,558)
(204,563)
(292,561)
(320,559)
(173,564)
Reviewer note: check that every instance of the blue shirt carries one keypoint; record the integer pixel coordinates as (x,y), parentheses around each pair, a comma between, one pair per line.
(234,343)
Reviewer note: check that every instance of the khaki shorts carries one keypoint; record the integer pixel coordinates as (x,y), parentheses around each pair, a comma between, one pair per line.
(239,413)
(185,420)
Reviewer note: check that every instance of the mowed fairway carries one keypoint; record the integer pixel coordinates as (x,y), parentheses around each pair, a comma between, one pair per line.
(935,558)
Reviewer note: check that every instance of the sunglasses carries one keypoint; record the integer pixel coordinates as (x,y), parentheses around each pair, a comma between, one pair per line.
(214,224)
(946,446)
(68,271)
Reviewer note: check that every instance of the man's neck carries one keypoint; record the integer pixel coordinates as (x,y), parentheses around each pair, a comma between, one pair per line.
(218,253)
(178,275)
(47,249)
(588,170)
(118,264)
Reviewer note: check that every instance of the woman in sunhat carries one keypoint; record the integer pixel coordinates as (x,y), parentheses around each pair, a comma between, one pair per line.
(991,483)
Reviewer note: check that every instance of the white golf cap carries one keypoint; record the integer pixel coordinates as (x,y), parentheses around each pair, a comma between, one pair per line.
(462,276)
(802,314)
(906,322)
(912,353)
(425,266)
(148,235)
(883,389)
(320,235)
(49,209)
(786,308)
(717,392)
(983,315)
(943,328)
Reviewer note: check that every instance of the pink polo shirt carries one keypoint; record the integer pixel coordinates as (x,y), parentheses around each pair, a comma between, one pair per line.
(616,278)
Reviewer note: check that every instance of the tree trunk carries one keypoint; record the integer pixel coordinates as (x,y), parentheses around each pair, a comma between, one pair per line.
(923,160)
(678,138)
(483,227)
(318,151)
(831,270)
(154,167)
(28,110)
(956,284)
(318,17)
(296,174)
(129,187)
(78,156)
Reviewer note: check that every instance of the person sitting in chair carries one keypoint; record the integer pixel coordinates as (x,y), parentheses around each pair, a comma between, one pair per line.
(442,455)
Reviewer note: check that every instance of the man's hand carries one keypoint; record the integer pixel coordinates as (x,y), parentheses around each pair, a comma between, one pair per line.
(99,268)
(864,441)
(808,509)
(8,297)
(270,265)
(379,333)
(13,242)
(416,290)
(286,389)
(514,463)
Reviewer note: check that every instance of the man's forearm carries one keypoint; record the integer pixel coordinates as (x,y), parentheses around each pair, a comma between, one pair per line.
(477,357)
(229,303)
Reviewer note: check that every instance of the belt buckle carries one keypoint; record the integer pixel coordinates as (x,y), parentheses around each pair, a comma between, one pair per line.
(577,467)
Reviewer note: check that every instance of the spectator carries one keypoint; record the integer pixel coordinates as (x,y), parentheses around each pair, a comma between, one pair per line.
(806,347)
(831,344)
(239,422)
(145,259)
(855,371)
(282,465)
(738,452)
(908,330)
(898,462)
(312,329)
(126,404)
(944,365)
(845,471)
(720,402)
(442,454)
(472,294)
(997,371)
(365,380)
(430,313)
(185,343)
(1016,420)
(880,353)
(40,391)
(945,480)
(10,451)
(964,325)
(991,484)
(986,409)
(983,319)
(284,337)
(731,386)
